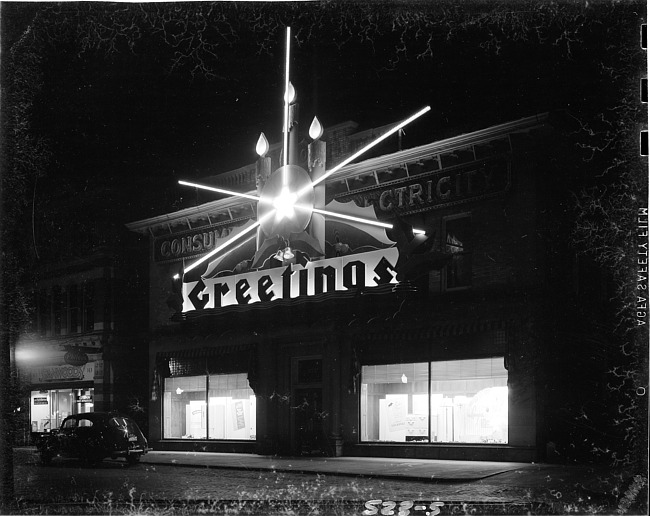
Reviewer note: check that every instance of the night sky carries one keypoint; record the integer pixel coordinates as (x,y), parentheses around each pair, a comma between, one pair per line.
(123,117)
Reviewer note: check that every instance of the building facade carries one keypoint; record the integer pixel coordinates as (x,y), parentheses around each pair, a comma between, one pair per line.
(85,344)
(425,339)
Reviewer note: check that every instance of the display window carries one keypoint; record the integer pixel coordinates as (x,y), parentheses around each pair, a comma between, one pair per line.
(48,408)
(220,406)
(456,401)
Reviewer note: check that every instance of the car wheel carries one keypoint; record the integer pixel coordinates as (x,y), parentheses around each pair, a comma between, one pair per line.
(133,459)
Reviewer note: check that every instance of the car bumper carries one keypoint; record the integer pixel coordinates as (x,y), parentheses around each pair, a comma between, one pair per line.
(131,451)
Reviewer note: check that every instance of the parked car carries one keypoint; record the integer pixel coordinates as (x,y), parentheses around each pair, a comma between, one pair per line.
(94,436)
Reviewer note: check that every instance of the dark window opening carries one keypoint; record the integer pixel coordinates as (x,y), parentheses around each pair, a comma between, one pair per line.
(89,310)
(310,371)
(73,303)
(458,244)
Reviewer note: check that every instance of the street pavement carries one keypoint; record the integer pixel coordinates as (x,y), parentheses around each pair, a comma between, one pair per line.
(347,484)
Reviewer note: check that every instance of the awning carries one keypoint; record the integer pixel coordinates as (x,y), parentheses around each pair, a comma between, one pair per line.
(433,329)
(204,352)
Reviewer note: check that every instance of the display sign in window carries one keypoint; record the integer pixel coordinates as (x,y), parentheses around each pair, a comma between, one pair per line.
(459,401)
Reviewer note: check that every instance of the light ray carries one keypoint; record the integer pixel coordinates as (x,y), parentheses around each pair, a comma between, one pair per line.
(220,190)
(236,247)
(286,105)
(353,218)
(228,242)
(369,146)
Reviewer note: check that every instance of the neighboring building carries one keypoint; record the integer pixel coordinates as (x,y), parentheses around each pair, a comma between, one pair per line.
(85,347)
(380,342)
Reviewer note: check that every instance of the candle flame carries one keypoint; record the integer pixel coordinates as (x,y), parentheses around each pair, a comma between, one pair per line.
(262,146)
(290,94)
(315,129)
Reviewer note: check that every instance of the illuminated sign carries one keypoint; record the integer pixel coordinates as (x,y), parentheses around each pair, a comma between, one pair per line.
(192,243)
(68,373)
(435,189)
(343,273)
(85,398)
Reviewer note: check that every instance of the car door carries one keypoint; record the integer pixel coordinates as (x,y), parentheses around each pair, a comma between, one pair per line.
(67,437)
(89,442)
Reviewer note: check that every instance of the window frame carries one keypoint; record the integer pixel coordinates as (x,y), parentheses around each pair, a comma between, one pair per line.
(469,253)
(429,414)
(206,400)
(88,302)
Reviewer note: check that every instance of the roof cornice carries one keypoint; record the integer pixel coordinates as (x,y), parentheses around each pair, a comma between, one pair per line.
(446,145)
(380,162)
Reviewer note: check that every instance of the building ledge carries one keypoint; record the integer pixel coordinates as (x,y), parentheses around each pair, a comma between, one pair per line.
(204,445)
(444,451)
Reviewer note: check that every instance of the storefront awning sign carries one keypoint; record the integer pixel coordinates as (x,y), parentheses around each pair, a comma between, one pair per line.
(67,373)
(352,272)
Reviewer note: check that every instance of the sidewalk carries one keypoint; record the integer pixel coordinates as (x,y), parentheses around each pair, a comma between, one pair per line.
(439,471)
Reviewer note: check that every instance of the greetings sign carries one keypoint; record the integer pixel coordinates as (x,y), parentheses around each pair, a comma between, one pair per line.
(293,280)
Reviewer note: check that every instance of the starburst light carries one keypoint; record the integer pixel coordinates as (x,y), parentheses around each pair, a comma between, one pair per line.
(289,188)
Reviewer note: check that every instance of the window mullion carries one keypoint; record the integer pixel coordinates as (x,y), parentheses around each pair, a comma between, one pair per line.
(207,405)
(429,400)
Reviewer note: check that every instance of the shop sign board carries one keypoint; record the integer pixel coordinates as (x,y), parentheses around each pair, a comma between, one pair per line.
(67,373)
(435,190)
(188,244)
(85,398)
(292,281)
(40,401)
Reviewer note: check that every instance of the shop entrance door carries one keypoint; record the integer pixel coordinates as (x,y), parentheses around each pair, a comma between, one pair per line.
(307,414)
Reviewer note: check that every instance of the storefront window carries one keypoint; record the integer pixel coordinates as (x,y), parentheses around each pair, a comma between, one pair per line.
(48,408)
(232,407)
(468,402)
(394,402)
(214,407)
(185,407)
